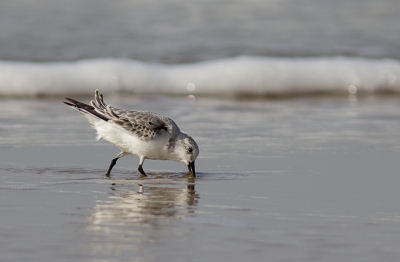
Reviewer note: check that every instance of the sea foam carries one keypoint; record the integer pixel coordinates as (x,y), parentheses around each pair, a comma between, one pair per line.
(230,76)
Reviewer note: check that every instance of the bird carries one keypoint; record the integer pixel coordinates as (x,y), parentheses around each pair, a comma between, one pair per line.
(145,134)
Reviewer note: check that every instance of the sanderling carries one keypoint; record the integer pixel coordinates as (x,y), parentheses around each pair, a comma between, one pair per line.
(144,134)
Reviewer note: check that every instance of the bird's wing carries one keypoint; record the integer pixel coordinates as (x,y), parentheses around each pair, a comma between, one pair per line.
(141,124)
(144,125)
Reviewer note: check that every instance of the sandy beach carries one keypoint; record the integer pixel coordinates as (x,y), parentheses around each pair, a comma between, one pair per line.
(299,180)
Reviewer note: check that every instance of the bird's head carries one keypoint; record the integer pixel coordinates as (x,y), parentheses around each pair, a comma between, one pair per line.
(187,151)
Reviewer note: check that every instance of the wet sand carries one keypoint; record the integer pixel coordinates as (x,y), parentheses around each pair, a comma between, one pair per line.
(299,180)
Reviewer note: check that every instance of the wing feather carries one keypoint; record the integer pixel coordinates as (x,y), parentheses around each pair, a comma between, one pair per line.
(145,125)
(142,124)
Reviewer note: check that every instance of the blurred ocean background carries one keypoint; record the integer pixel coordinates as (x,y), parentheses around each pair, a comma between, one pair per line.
(230,47)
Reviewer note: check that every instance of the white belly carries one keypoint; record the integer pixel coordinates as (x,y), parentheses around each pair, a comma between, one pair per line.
(153,149)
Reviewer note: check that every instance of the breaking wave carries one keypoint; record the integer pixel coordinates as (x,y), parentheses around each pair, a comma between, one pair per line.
(231,76)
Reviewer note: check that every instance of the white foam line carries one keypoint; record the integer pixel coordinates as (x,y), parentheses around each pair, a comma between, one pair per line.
(255,75)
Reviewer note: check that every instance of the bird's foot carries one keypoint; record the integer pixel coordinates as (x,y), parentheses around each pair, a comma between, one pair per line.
(141,171)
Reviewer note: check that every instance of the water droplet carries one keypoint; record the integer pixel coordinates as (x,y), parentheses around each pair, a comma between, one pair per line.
(191,98)
(352,89)
(190,87)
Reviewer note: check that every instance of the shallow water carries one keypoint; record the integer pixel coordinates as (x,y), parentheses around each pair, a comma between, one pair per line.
(291,180)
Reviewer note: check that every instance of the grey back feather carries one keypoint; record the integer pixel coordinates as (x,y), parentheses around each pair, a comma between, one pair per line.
(144,125)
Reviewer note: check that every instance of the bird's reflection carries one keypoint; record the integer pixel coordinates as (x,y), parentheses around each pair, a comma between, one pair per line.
(133,216)
(148,204)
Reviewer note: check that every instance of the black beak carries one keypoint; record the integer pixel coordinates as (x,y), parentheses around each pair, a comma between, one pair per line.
(191,168)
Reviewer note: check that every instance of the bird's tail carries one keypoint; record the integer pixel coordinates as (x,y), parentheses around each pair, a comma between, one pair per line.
(85,109)
(96,108)
(102,107)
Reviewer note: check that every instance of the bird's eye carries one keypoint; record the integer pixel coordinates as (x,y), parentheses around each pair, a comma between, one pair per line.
(190,150)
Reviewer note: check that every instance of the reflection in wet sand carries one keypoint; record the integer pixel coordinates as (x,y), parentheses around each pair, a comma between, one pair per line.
(128,219)
(145,205)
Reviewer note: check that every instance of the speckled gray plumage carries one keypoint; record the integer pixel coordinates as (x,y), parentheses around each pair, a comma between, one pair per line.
(142,124)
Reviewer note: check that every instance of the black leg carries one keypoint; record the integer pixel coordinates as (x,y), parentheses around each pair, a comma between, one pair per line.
(140,169)
(113,162)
